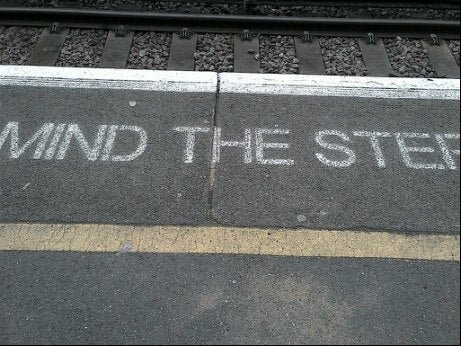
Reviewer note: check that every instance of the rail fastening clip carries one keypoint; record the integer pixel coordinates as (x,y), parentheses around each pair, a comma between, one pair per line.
(435,40)
(245,35)
(120,31)
(185,33)
(306,37)
(55,28)
(371,38)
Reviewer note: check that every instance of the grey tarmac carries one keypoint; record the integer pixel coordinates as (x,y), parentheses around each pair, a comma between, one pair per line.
(82,298)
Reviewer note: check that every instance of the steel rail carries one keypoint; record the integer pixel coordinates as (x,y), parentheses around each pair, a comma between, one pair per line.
(346,27)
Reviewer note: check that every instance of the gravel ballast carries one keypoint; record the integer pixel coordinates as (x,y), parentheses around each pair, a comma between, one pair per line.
(17,43)
(356,12)
(41,3)
(82,48)
(191,7)
(278,55)
(158,6)
(215,52)
(271,10)
(150,50)
(146,5)
(342,56)
(408,58)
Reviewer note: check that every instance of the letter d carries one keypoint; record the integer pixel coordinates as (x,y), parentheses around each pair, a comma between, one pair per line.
(112,134)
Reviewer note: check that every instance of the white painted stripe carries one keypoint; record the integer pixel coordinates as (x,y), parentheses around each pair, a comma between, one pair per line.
(92,78)
(241,83)
(339,86)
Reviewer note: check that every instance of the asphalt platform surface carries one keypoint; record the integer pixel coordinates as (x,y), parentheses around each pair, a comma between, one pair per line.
(156,158)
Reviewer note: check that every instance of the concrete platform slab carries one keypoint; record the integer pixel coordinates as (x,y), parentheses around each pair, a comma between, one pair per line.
(301,153)
(80,145)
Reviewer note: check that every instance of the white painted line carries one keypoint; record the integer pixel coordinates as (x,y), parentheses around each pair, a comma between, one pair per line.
(92,78)
(240,83)
(339,86)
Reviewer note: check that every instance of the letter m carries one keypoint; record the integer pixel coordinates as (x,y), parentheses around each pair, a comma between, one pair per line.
(40,136)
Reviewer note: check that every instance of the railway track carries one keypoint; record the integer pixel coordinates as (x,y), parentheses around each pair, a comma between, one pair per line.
(245,33)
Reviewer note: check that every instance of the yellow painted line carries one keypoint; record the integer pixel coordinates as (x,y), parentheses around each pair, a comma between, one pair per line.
(227,240)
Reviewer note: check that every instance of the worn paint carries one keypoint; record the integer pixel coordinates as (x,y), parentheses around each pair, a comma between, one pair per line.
(228,240)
